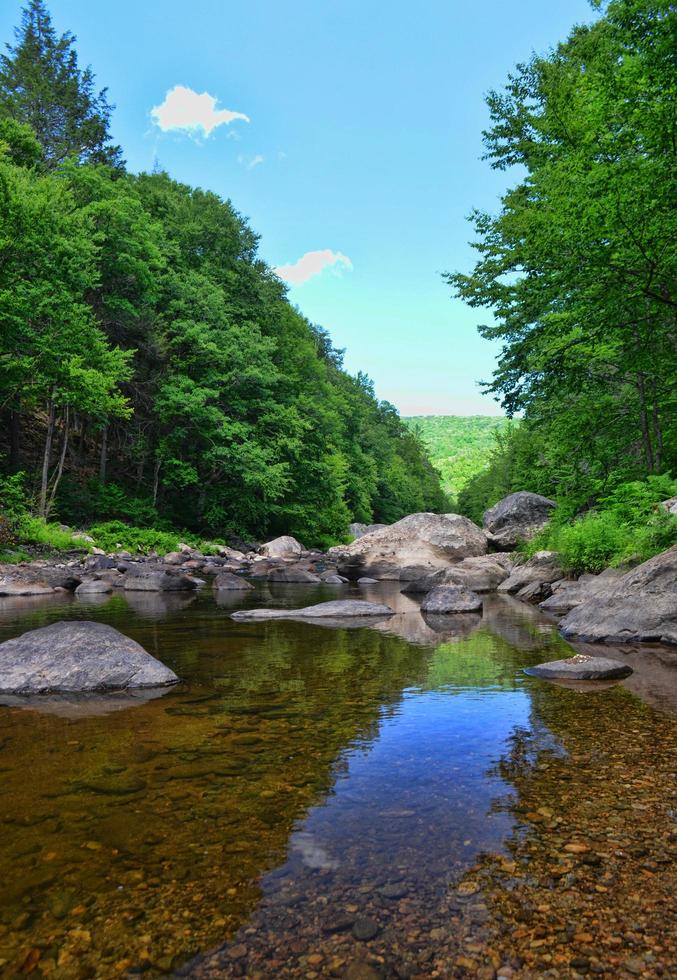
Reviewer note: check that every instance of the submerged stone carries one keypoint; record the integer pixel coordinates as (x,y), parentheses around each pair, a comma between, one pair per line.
(581,668)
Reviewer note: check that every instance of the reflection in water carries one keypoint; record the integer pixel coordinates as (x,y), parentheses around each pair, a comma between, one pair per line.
(299,782)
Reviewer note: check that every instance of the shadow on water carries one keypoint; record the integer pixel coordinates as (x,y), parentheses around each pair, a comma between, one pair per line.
(299,780)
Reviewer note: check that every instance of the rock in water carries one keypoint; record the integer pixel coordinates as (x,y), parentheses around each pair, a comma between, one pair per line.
(642,606)
(581,668)
(77,656)
(226,581)
(411,548)
(283,547)
(483,573)
(518,517)
(337,609)
(449,599)
(300,576)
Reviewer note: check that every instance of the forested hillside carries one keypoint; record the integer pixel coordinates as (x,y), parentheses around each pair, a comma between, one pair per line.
(578,268)
(460,446)
(152,367)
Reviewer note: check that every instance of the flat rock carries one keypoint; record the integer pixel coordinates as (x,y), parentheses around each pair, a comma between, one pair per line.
(77,656)
(226,581)
(450,599)
(140,579)
(337,609)
(10,586)
(582,667)
(543,567)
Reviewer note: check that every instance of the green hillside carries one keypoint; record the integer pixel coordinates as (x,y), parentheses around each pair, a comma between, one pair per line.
(459,445)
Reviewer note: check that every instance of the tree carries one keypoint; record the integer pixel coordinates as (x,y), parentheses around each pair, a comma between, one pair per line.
(42,85)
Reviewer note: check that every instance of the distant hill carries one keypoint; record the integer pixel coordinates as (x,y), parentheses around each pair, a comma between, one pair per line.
(459,445)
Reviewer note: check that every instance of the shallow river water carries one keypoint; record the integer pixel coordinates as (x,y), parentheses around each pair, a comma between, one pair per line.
(393,800)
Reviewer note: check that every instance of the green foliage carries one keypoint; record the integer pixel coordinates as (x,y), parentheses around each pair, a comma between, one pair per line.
(35,530)
(148,343)
(459,446)
(118,536)
(627,527)
(13,503)
(579,265)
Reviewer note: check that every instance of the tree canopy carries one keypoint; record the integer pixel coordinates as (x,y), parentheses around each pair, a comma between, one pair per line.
(152,368)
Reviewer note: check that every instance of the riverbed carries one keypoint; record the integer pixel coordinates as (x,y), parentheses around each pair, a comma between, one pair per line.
(392,800)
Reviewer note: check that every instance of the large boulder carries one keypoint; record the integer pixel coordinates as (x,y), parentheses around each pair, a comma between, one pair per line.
(336,609)
(77,656)
(14,585)
(226,581)
(282,547)
(481,574)
(144,579)
(641,607)
(543,567)
(358,530)
(448,599)
(517,518)
(57,577)
(411,548)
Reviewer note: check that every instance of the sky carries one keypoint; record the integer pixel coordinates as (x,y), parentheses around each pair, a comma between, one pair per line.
(348,132)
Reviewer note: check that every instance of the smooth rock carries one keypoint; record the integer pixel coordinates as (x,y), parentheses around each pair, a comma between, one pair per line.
(543,567)
(642,606)
(94,587)
(483,573)
(282,547)
(336,609)
(77,656)
(17,586)
(226,581)
(415,546)
(450,599)
(518,517)
(581,668)
(139,579)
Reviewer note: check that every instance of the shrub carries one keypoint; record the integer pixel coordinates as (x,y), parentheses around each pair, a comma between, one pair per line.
(115,535)
(35,530)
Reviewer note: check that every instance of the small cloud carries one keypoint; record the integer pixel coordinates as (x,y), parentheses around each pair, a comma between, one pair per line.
(311,264)
(195,114)
(255,161)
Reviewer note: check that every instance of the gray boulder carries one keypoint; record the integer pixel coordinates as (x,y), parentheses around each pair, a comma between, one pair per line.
(282,547)
(517,518)
(359,530)
(77,656)
(543,567)
(481,574)
(11,585)
(143,579)
(569,593)
(226,581)
(330,579)
(94,587)
(294,574)
(582,667)
(448,599)
(337,609)
(670,505)
(641,607)
(411,548)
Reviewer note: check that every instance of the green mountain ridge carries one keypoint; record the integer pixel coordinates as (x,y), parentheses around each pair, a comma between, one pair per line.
(459,446)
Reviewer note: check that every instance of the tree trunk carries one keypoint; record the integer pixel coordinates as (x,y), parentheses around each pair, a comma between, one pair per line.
(62,459)
(644,420)
(156,480)
(103,459)
(657,429)
(42,506)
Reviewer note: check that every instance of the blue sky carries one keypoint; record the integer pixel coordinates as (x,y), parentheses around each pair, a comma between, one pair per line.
(363,142)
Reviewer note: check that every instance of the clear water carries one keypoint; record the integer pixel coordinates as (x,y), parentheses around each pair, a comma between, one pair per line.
(299,778)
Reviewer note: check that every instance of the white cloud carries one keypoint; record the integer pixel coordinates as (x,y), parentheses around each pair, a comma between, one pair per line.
(195,114)
(250,162)
(311,264)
